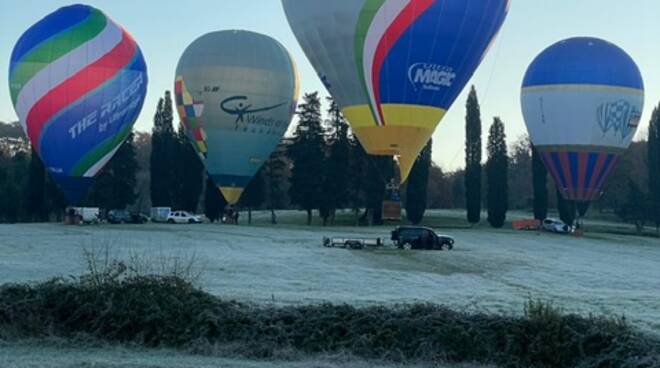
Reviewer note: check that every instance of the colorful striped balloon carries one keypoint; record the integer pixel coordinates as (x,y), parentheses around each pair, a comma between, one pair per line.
(395,66)
(77,81)
(582,99)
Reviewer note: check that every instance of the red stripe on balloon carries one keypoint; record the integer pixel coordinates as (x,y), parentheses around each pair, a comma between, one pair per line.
(595,175)
(583,157)
(72,89)
(566,169)
(547,160)
(407,17)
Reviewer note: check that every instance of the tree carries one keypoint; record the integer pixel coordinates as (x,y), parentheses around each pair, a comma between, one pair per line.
(417,186)
(540,186)
(496,172)
(214,202)
(307,154)
(163,146)
(357,176)
(253,196)
(189,171)
(567,209)
(473,158)
(653,163)
(379,172)
(34,194)
(636,209)
(520,176)
(274,177)
(335,164)
(114,187)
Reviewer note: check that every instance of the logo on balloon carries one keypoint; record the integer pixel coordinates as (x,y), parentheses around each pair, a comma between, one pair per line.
(621,117)
(431,77)
(246,114)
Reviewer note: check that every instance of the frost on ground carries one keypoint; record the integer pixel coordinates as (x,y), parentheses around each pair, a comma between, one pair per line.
(490,270)
(28,355)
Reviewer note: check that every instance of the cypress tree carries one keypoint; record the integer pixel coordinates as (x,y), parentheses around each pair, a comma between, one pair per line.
(653,162)
(214,202)
(473,158)
(34,195)
(189,170)
(567,209)
(540,186)
(306,154)
(163,148)
(417,185)
(497,171)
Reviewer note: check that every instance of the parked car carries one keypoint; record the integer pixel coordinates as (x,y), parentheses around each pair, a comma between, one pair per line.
(83,215)
(126,217)
(556,226)
(417,237)
(183,217)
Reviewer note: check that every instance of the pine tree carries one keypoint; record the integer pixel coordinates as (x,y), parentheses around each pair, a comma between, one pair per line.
(357,176)
(114,187)
(653,162)
(417,186)
(163,148)
(496,172)
(214,202)
(189,170)
(34,195)
(253,196)
(335,164)
(473,158)
(306,154)
(540,186)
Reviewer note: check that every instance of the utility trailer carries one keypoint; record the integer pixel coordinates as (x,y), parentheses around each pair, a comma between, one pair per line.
(352,243)
(402,237)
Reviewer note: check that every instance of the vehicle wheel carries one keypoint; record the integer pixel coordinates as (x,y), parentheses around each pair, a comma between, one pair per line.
(170,221)
(191,221)
(407,246)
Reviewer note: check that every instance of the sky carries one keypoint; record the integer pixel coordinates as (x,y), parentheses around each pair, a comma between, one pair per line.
(163,29)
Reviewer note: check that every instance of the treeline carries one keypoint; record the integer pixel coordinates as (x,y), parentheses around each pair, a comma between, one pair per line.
(322,167)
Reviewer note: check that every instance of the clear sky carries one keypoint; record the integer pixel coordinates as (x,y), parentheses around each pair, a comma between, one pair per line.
(163,29)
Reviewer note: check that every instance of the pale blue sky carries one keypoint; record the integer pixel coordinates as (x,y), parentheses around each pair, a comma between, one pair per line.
(163,28)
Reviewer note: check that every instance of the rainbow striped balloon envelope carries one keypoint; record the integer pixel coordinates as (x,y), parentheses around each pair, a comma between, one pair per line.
(395,66)
(77,81)
(582,99)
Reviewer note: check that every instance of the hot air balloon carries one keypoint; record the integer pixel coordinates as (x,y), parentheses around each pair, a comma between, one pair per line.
(582,100)
(395,66)
(236,92)
(77,81)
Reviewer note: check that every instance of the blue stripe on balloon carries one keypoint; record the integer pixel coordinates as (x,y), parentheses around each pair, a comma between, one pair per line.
(429,40)
(573,162)
(59,150)
(50,26)
(556,162)
(591,164)
(584,60)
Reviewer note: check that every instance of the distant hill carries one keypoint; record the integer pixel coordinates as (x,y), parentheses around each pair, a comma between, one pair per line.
(11,130)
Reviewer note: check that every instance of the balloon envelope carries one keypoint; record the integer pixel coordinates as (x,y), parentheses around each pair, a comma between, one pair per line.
(582,100)
(395,66)
(236,92)
(77,81)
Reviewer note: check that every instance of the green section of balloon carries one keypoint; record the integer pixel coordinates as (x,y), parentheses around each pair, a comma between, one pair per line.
(236,92)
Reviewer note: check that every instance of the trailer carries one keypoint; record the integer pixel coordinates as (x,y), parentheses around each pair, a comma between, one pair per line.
(352,243)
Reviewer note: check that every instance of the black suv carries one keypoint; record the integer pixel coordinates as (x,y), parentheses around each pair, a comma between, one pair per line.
(417,237)
(126,217)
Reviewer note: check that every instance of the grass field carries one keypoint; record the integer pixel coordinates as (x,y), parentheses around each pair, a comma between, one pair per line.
(490,270)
